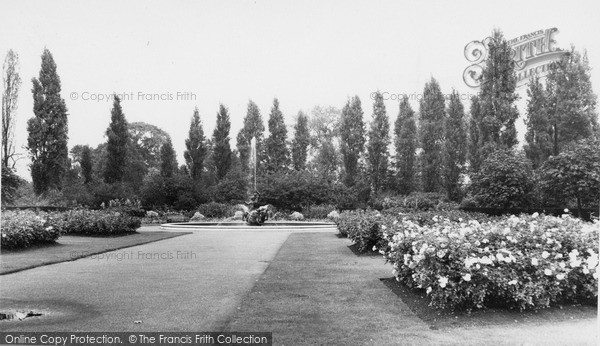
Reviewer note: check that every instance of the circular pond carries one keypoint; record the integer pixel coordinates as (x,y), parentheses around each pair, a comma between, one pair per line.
(269,225)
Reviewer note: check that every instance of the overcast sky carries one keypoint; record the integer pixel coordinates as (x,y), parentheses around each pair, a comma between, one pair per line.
(304,53)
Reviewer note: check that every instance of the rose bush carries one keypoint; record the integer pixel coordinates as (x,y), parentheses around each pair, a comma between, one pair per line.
(526,262)
(22,229)
(95,222)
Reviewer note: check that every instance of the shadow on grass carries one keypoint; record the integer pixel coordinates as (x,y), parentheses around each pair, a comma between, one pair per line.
(418,302)
(366,253)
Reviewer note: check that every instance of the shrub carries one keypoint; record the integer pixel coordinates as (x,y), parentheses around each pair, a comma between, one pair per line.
(214,210)
(320,211)
(364,228)
(95,222)
(22,229)
(526,262)
(418,201)
(296,216)
(505,180)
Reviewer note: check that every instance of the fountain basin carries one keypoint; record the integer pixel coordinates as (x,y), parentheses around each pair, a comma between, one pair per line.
(237,226)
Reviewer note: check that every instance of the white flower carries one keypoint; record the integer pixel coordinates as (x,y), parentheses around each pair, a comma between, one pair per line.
(558,255)
(512,282)
(545,254)
(562,264)
(586,271)
(595,275)
(467,277)
(535,215)
(560,276)
(374,248)
(429,289)
(548,271)
(443,281)
(566,210)
(534,261)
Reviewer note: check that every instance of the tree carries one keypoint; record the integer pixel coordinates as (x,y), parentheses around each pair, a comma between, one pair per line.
(431,135)
(168,160)
(538,137)
(571,101)
(253,127)
(10,185)
(475,141)
(278,157)
(455,146)
(574,173)
(48,129)
(377,147)
(405,131)
(86,164)
(352,136)
(497,96)
(147,140)
(222,151)
(117,144)
(323,127)
(504,181)
(300,142)
(195,145)
(11,84)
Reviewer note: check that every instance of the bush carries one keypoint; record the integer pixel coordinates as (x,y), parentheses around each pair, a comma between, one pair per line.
(95,222)
(364,228)
(214,210)
(320,211)
(526,262)
(22,229)
(505,181)
(418,201)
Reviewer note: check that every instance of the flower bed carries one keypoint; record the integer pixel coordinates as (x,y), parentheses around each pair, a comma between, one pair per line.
(96,222)
(22,229)
(525,262)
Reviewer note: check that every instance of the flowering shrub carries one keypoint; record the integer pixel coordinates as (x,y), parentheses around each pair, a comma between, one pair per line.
(95,222)
(362,227)
(21,229)
(525,262)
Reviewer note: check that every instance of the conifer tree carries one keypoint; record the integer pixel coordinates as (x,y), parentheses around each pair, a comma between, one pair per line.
(195,145)
(11,84)
(253,127)
(222,150)
(377,147)
(431,135)
(48,129)
(86,164)
(475,142)
(168,160)
(455,146)
(117,144)
(405,132)
(277,154)
(352,135)
(538,146)
(300,142)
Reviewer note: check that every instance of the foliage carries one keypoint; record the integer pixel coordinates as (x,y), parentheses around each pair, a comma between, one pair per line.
(504,181)
(405,131)
(168,160)
(195,146)
(48,128)
(526,262)
(300,142)
(222,155)
(22,229)
(455,147)
(362,227)
(10,185)
(277,154)
(475,156)
(293,190)
(177,191)
(416,201)
(214,210)
(431,133)
(253,128)
(377,147)
(96,223)
(117,144)
(86,164)
(324,129)
(11,84)
(318,211)
(147,139)
(497,96)
(232,187)
(538,137)
(352,137)
(574,173)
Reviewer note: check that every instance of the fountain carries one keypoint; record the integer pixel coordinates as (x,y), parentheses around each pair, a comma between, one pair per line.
(255,214)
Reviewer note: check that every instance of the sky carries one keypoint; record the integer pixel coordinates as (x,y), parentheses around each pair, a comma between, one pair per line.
(167,57)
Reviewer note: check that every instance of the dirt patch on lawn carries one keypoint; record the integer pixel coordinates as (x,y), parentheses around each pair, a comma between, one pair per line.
(418,302)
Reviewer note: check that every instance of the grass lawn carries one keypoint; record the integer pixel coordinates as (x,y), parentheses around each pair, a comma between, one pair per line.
(72,247)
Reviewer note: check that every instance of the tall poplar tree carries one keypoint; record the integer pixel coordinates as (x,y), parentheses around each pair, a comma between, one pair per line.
(475,142)
(431,135)
(300,142)
(11,84)
(48,129)
(168,160)
(377,147)
(277,153)
(538,138)
(455,146)
(405,142)
(195,146)
(86,162)
(222,150)
(352,135)
(117,144)
(253,127)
